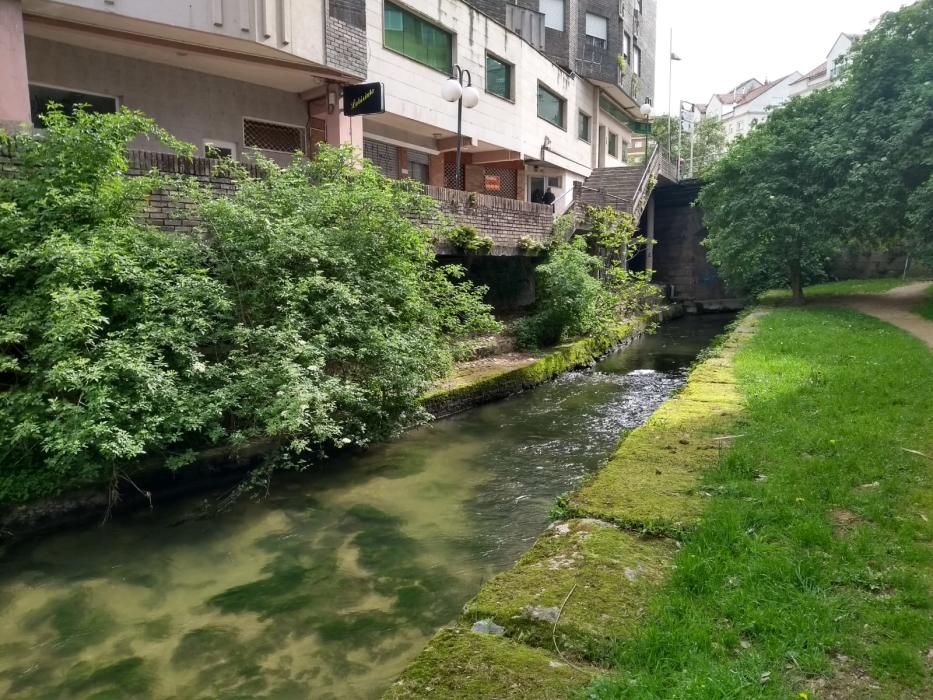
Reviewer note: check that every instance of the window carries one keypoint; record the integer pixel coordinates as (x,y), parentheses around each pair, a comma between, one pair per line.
(498,77)
(621,8)
(269,136)
(417,39)
(555,181)
(536,188)
(597,30)
(636,61)
(418,166)
(550,107)
(613,145)
(626,46)
(41,95)
(638,7)
(583,126)
(214,148)
(553,11)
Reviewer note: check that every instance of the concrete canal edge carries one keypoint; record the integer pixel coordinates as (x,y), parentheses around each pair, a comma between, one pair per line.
(443,403)
(545,627)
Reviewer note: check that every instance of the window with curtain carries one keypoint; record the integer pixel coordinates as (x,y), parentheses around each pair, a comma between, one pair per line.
(553,11)
(550,107)
(417,39)
(498,77)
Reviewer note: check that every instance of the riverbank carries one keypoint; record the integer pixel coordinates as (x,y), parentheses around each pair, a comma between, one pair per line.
(586,582)
(795,564)
(219,466)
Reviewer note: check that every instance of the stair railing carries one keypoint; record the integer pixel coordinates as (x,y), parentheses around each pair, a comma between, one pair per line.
(640,197)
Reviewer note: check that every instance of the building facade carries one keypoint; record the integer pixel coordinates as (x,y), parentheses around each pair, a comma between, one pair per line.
(561,81)
(828,72)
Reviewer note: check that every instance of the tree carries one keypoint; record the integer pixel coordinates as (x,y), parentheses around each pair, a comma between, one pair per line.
(709,142)
(885,136)
(848,167)
(763,203)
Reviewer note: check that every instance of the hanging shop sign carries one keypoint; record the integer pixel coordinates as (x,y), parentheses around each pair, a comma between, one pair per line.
(368,98)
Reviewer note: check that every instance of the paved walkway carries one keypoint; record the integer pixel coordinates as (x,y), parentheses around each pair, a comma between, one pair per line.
(897,308)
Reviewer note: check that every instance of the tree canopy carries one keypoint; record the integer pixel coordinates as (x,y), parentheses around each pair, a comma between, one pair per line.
(845,168)
(708,142)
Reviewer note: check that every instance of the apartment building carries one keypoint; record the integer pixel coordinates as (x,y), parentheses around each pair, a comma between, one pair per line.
(750,103)
(560,81)
(829,72)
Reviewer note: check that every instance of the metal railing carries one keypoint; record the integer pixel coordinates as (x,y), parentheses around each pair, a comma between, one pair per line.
(639,198)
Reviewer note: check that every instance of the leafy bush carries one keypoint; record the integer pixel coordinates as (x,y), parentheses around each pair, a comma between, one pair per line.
(468,239)
(570,299)
(307,310)
(579,293)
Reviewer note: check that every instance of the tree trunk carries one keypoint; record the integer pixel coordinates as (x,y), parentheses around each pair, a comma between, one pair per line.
(796,282)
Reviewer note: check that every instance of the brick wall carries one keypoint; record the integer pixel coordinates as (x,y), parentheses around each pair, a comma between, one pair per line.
(506,221)
(345,36)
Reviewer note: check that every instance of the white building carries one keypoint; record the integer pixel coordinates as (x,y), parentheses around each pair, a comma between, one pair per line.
(829,71)
(750,104)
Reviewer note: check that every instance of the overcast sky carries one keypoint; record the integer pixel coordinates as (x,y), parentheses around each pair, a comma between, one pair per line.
(724,42)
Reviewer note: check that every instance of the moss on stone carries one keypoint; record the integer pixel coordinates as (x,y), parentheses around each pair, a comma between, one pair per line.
(650,484)
(563,358)
(460,665)
(614,572)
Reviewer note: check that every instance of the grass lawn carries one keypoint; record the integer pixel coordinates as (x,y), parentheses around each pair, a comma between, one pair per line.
(842,288)
(810,574)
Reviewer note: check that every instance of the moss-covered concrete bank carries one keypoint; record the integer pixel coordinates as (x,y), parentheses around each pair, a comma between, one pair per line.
(492,386)
(587,581)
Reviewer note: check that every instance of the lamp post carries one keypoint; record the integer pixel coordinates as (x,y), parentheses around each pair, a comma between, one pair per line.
(464,94)
(646,113)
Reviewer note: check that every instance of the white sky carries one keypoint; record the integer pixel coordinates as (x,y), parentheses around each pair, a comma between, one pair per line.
(724,42)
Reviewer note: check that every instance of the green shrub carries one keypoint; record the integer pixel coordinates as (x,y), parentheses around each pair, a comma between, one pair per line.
(468,239)
(308,309)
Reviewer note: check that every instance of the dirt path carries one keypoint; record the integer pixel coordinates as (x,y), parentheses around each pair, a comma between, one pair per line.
(897,308)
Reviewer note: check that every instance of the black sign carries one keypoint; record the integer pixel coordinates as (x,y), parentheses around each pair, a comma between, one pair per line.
(368,98)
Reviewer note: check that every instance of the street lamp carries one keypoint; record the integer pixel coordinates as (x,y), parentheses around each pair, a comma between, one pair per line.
(464,94)
(646,113)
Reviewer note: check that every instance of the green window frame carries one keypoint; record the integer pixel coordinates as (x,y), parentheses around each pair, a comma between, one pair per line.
(552,107)
(417,39)
(498,77)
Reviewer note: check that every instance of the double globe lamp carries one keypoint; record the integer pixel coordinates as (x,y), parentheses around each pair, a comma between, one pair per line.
(459,88)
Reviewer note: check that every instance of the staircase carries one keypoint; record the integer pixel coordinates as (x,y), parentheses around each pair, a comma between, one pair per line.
(623,188)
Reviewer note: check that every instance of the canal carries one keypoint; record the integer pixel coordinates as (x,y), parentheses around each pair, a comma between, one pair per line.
(329,586)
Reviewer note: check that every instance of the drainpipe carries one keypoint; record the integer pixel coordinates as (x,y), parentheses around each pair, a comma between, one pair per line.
(594,135)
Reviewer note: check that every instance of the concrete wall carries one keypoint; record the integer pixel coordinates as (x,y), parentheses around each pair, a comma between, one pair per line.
(192,106)
(679,258)
(14,97)
(291,26)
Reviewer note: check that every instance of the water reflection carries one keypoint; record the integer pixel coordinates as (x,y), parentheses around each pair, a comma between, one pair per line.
(331,585)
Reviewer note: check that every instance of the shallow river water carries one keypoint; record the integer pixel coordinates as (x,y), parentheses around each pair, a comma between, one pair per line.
(329,586)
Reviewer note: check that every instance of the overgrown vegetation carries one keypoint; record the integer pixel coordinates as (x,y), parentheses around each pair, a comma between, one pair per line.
(708,143)
(469,240)
(809,573)
(849,167)
(307,311)
(586,286)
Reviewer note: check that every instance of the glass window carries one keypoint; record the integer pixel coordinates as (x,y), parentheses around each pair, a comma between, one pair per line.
(597,30)
(550,107)
(613,145)
(417,39)
(626,46)
(583,126)
(553,11)
(555,181)
(636,61)
(638,6)
(40,96)
(498,77)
